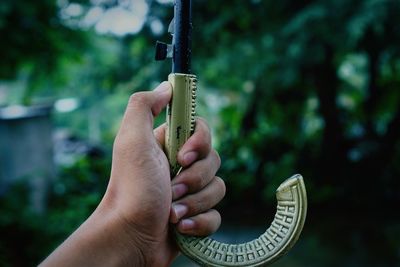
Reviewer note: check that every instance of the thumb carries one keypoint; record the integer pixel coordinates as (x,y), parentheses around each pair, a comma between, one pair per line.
(143,107)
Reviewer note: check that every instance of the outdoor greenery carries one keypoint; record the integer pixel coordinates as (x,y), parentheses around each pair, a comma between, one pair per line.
(307,86)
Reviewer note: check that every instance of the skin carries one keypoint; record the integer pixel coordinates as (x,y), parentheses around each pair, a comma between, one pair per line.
(132,224)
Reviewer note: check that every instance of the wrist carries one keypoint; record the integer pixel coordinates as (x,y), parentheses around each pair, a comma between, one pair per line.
(139,241)
(124,244)
(99,241)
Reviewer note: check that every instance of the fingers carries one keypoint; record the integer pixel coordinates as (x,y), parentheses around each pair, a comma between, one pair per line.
(196,190)
(194,215)
(143,107)
(159,134)
(197,146)
(197,176)
(137,125)
(200,225)
(200,202)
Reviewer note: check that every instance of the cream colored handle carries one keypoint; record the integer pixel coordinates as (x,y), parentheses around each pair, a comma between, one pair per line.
(291,197)
(271,245)
(180,116)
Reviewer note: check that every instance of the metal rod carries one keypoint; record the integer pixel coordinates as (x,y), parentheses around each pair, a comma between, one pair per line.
(182,37)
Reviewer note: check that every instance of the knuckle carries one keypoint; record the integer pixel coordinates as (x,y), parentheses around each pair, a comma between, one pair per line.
(203,123)
(221,185)
(193,180)
(121,145)
(197,182)
(126,146)
(198,203)
(204,226)
(137,99)
(197,141)
(209,222)
(195,206)
(217,158)
(202,136)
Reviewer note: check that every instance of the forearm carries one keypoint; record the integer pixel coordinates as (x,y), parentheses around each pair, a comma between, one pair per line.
(99,241)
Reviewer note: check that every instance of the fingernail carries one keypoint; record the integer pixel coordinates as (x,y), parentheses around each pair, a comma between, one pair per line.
(179,210)
(187,224)
(178,190)
(163,87)
(189,157)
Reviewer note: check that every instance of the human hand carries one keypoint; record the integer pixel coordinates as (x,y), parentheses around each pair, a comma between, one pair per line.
(140,183)
(132,224)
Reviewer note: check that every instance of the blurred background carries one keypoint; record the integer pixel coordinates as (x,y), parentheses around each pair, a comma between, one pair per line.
(307,86)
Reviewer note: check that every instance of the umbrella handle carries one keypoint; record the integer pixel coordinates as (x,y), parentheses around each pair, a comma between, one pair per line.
(291,196)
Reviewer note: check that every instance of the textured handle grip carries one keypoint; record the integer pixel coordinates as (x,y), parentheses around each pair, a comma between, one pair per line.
(291,196)
(270,246)
(180,116)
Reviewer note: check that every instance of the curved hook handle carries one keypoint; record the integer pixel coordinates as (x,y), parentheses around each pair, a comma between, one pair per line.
(291,196)
(274,243)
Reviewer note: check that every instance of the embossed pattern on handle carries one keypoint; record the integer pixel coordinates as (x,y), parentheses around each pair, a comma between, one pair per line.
(291,196)
(274,243)
(180,116)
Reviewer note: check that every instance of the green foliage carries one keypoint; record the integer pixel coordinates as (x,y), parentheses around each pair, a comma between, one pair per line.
(317,100)
(34,41)
(27,237)
(304,87)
